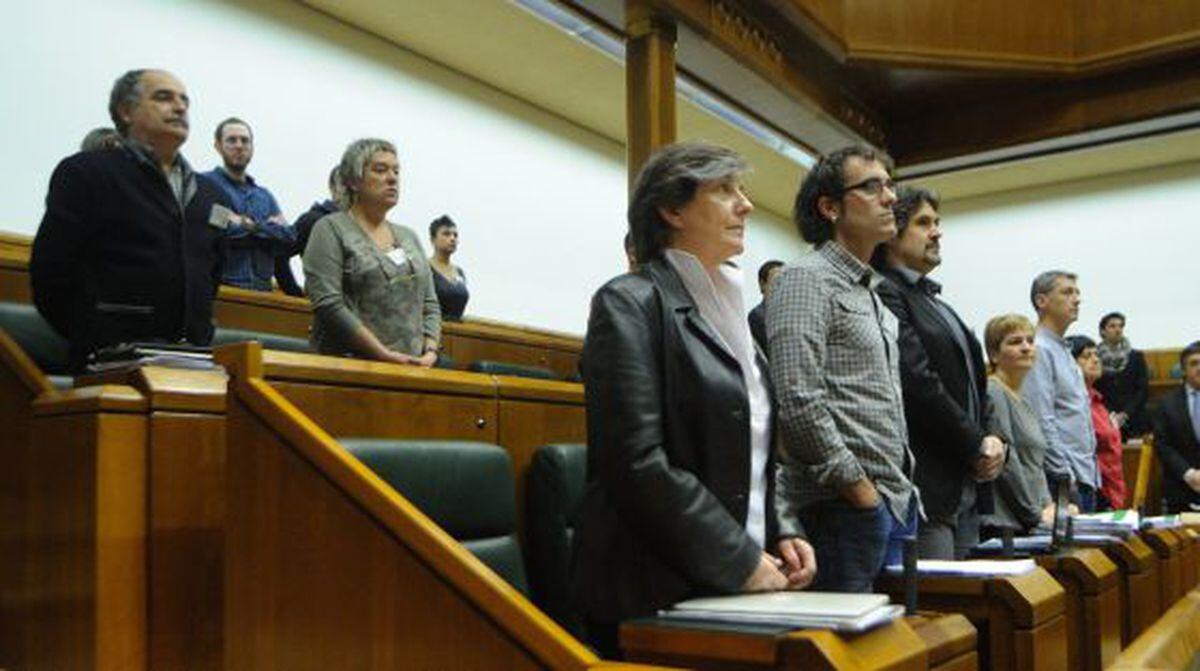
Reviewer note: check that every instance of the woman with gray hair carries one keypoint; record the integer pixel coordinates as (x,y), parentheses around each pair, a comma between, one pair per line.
(367,278)
(680,473)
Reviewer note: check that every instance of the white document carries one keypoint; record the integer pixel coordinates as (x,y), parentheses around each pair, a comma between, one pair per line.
(986,568)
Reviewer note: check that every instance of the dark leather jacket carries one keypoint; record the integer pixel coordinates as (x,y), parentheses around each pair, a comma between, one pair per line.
(668,454)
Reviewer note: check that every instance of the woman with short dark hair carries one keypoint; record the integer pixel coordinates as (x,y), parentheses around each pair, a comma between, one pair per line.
(680,474)
(448,279)
(1108,434)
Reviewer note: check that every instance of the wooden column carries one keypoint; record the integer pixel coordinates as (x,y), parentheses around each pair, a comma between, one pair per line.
(649,83)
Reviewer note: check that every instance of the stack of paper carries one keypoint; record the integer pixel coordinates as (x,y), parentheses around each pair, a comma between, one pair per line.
(1123,522)
(1162,522)
(807,610)
(988,568)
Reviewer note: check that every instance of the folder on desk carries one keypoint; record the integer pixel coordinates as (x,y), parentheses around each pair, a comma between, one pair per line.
(803,610)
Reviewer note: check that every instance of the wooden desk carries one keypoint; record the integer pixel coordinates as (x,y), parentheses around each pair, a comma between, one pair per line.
(1141,601)
(185,511)
(1190,557)
(929,641)
(1169,549)
(1020,619)
(1093,603)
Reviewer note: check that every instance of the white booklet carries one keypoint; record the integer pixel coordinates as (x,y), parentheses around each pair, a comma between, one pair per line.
(972,567)
(809,610)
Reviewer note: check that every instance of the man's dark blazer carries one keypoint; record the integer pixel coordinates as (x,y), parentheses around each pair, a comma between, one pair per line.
(117,259)
(944,438)
(1175,444)
(668,454)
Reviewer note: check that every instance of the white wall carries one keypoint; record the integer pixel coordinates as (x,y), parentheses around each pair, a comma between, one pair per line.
(540,202)
(1131,237)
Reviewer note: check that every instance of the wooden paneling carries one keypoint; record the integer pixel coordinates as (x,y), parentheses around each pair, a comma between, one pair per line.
(86,570)
(1092,585)
(328,567)
(186,552)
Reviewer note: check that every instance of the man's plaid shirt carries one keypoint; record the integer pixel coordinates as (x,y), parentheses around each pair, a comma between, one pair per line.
(836,370)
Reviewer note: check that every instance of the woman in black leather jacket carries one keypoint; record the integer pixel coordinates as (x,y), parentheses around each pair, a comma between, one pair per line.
(680,475)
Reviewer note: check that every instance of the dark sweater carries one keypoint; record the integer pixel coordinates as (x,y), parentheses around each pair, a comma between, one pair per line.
(117,260)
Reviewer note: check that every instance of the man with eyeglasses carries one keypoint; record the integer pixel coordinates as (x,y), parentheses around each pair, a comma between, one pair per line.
(944,381)
(845,472)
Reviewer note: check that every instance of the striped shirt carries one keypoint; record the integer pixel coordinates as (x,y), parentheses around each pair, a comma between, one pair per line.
(836,369)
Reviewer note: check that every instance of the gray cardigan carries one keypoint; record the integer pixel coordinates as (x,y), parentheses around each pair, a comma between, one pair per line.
(353,283)
(1021,490)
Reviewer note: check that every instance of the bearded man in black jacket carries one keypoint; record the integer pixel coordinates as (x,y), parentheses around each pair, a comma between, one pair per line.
(944,381)
(130,246)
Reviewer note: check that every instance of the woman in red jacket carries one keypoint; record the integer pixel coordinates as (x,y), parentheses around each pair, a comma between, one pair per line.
(1108,434)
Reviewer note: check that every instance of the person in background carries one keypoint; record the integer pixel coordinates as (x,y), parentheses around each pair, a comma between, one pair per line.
(1177,436)
(1022,498)
(757,318)
(448,279)
(99,139)
(678,501)
(258,233)
(1057,393)
(367,278)
(303,228)
(1125,383)
(944,381)
(845,472)
(130,247)
(1111,495)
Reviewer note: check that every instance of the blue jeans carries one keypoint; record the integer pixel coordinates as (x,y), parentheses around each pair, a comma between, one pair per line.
(853,545)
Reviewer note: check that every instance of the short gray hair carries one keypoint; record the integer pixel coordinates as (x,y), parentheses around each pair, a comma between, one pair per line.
(669,180)
(127,90)
(1044,284)
(354,164)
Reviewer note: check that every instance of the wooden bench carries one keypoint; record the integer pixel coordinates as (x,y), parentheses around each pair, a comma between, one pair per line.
(1172,643)
(1141,602)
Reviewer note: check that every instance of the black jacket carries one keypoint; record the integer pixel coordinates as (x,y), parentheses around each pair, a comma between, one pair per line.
(944,438)
(668,454)
(116,260)
(1177,449)
(1128,392)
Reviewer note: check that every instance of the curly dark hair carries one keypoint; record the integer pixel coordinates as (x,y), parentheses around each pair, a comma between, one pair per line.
(827,179)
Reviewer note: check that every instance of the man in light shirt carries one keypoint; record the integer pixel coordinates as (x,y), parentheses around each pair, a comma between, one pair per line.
(1056,391)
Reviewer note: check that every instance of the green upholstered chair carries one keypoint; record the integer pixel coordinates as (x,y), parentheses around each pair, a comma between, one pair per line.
(513,369)
(467,488)
(554,488)
(224,336)
(40,341)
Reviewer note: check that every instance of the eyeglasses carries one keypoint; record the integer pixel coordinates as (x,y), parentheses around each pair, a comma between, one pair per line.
(871,187)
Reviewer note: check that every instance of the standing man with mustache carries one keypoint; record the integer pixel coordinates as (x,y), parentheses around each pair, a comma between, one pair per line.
(258,233)
(126,251)
(1056,391)
(945,383)
(845,473)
